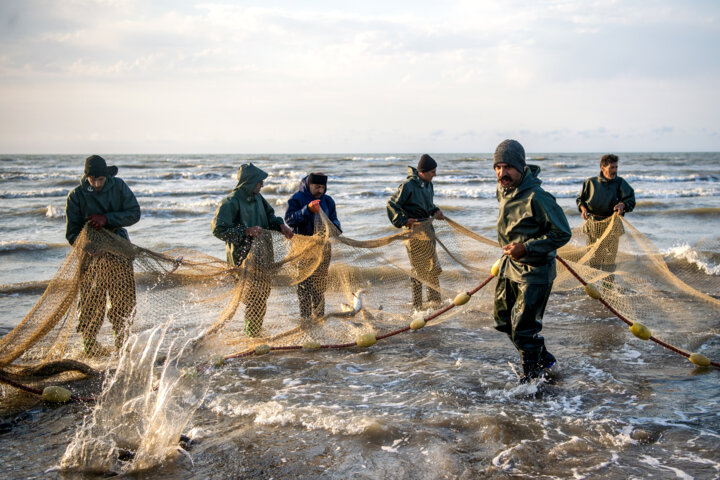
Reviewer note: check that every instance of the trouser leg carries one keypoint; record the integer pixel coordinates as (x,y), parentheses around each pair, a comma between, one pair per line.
(425,267)
(304,298)
(121,290)
(504,301)
(526,316)
(319,283)
(92,301)
(256,306)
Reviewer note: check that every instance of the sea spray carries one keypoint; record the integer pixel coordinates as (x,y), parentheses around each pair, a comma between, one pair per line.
(144,407)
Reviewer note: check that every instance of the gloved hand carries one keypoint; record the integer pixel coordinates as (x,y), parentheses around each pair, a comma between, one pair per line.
(97,221)
(314,206)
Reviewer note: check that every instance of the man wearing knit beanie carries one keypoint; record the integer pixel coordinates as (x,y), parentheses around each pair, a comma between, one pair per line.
(531,227)
(412,207)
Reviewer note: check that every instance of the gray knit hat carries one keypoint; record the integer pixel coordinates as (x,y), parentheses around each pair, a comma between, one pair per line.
(511,153)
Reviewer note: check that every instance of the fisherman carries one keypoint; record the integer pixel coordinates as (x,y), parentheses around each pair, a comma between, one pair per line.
(103,201)
(300,215)
(531,227)
(239,221)
(411,205)
(601,198)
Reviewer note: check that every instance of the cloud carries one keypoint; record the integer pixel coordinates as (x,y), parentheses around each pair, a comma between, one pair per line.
(373,75)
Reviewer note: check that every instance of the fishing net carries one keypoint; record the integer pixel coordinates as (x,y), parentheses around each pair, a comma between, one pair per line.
(330,291)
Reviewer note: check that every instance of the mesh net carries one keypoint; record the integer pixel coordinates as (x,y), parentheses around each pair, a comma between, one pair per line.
(330,289)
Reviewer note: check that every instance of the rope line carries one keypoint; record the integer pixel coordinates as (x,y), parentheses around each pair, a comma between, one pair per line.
(666,345)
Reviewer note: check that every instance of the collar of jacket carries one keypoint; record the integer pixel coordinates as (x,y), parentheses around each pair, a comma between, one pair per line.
(602,179)
(413,175)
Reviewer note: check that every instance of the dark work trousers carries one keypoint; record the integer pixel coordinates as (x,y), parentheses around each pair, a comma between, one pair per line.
(107,276)
(311,291)
(425,268)
(519,309)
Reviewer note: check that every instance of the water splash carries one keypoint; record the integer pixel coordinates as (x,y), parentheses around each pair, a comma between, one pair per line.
(144,407)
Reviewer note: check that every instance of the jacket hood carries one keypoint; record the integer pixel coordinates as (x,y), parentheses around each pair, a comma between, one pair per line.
(412,174)
(248,177)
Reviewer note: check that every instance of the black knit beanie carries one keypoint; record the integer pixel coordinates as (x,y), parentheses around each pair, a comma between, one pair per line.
(426,163)
(317,179)
(511,153)
(95,166)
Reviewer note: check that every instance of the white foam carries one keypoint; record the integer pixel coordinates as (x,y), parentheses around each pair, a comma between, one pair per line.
(690,255)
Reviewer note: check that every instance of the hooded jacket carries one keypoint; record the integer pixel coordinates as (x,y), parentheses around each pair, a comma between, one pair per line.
(531,216)
(298,216)
(600,195)
(413,199)
(116,201)
(240,210)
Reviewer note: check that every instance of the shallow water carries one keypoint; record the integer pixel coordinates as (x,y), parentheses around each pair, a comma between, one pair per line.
(442,402)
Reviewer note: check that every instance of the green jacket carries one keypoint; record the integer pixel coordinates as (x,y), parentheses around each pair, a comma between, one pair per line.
(599,195)
(413,199)
(240,210)
(116,201)
(531,216)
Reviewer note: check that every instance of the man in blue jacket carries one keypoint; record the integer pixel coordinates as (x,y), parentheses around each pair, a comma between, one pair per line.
(300,215)
(103,201)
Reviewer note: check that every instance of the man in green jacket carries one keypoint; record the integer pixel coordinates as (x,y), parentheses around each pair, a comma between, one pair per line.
(239,221)
(601,198)
(531,227)
(103,201)
(411,205)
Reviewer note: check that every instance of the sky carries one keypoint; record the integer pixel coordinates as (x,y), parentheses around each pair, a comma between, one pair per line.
(111,76)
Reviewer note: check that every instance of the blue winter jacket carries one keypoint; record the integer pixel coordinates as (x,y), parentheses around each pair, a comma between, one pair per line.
(299,218)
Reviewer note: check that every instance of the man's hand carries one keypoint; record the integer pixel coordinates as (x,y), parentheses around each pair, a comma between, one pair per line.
(584,212)
(620,208)
(314,206)
(97,221)
(287,231)
(411,222)
(253,231)
(515,250)
(439,215)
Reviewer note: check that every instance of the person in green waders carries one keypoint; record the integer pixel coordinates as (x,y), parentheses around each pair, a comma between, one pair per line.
(531,227)
(103,201)
(239,221)
(601,198)
(412,204)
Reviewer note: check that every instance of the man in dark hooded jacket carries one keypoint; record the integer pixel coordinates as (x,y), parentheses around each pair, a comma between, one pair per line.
(531,227)
(407,208)
(103,201)
(300,215)
(239,221)
(602,197)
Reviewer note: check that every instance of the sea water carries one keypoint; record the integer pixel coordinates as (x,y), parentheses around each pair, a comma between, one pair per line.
(437,403)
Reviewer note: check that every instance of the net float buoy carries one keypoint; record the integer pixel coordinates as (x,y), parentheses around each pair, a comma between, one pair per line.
(495,270)
(262,349)
(699,359)
(461,299)
(366,340)
(218,361)
(55,394)
(592,291)
(417,324)
(640,331)
(311,345)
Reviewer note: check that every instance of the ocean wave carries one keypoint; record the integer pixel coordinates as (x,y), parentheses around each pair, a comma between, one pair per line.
(23,246)
(702,260)
(54,212)
(711,178)
(698,212)
(53,192)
